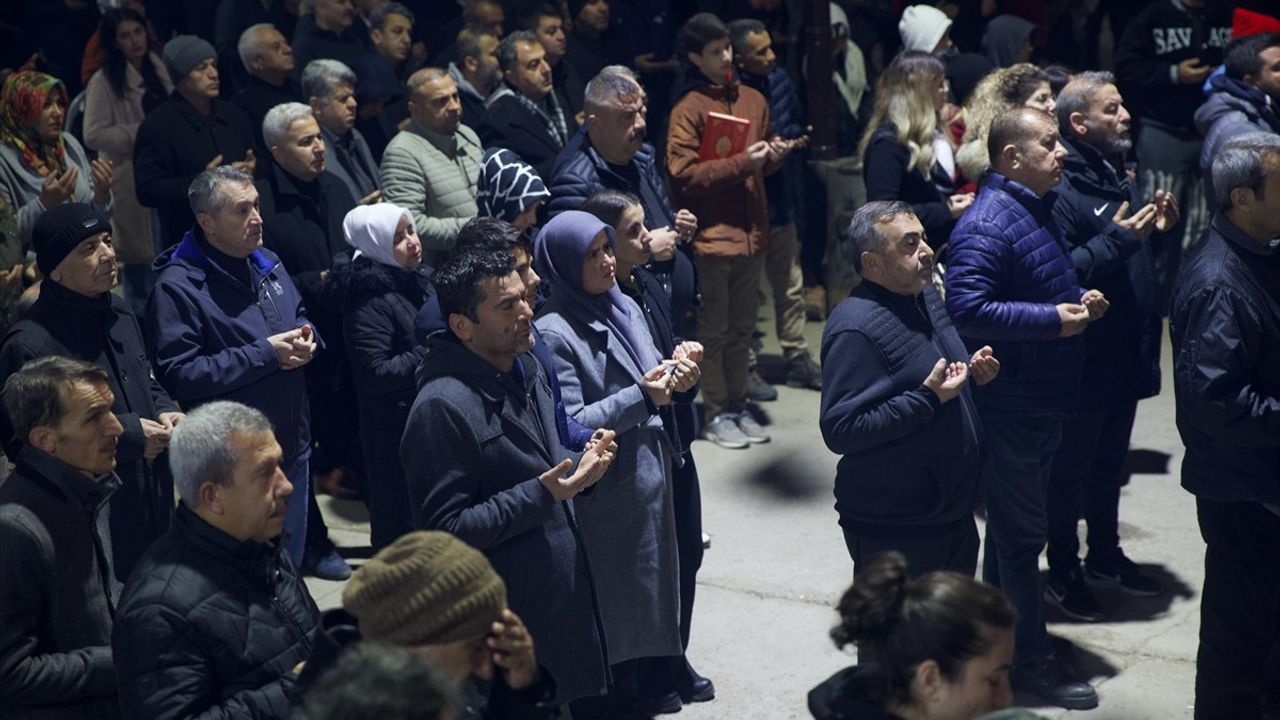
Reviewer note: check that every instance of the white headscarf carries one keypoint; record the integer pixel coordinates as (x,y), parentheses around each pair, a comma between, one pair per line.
(371,230)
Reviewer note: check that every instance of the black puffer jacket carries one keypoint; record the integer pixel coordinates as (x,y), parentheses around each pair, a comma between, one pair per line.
(887,176)
(209,627)
(581,172)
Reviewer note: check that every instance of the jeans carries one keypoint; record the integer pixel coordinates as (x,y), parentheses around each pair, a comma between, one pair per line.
(1239,609)
(1088,472)
(1020,450)
(295,521)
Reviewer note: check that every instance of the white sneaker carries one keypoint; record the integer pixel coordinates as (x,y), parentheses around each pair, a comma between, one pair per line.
(723,431)
(753,431)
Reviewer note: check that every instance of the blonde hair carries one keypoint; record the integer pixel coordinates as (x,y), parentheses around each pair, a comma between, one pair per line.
(1002,89)
(904,97)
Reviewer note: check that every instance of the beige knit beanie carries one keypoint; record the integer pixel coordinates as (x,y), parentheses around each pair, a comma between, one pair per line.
(427,588)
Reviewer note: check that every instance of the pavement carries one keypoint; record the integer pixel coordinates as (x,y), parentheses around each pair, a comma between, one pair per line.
(777,566)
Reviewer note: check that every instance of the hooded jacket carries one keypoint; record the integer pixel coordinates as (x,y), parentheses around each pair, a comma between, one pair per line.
(726,194)
(1232,108)
(476,442)
(207,337)
(844,696)
(1002,41)
(472,101)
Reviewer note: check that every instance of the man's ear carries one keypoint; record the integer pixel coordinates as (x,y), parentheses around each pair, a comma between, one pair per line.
(205,221)
(43,438)
(470,64)
(1076,121)
(1241,199)
(461,326)
(1012,155)
(870,265)
(210,497)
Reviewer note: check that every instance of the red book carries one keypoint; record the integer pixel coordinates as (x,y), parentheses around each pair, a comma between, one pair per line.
(723,136)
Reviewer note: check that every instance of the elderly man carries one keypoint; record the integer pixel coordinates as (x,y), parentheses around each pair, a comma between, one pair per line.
(476,72)
(430,168)
(216,621)
(58,589)
(1225,326)
(189,133)
(897,405)
(77,316)
(233,17)
(526,115)
(1011,285)
(330,88)
(484,462)
(268,63)
(226,322)
(1110,251)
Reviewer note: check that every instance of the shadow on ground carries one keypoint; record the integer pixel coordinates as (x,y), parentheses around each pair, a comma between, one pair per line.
(1119,607)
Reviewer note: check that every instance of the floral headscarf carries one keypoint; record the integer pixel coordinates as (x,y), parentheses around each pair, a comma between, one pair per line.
(22,98)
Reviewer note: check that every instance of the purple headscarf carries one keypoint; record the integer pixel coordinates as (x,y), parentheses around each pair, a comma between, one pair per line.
(559,251)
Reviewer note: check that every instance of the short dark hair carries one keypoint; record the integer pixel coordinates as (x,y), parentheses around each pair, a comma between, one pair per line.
(493,232)
(901,622)
(507,47)
(458,281)
(864,231)
(608,205)
(372,681)
(1059,76)
(1242,56)
(698,31)
(740,29)
(468,44)
(530,18)
(33,395)
(1014,127)
(378,17)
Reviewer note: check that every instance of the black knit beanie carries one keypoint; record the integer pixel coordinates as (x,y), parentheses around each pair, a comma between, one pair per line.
(61,228)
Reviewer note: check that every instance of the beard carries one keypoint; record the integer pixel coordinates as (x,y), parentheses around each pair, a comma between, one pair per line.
(1116,144)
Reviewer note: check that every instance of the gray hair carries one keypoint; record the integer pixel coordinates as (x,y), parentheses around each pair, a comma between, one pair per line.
(1240,164)
(864,231)
(205,194)
(275,126)
(250,45)
(740,29)
(378,17)
(507,48)
(200,449)
(610,86)
(1077,95)
(33,395)
(321,77)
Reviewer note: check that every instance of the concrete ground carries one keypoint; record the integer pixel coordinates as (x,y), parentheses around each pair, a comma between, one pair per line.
(777,566)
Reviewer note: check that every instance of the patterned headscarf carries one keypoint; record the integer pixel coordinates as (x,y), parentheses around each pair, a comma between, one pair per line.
(507,185)
(22,98)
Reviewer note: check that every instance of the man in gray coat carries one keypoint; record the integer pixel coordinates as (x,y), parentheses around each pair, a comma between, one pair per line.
(430,168)
(330,88)
(483,462)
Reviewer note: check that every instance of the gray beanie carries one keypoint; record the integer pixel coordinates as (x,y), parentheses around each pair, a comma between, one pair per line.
(183,53)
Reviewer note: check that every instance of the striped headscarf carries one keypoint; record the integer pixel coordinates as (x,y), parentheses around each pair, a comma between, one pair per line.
(22,99)
(507,185)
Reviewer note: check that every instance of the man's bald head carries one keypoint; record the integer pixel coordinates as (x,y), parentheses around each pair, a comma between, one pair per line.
(1023,145)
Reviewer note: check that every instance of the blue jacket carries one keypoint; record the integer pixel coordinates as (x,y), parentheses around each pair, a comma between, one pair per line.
(1008,267)
(782,189)
(1225,326)
(1231,109)
(207,337)
(579,172)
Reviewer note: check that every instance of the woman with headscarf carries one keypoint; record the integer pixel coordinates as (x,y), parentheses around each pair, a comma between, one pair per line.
(510,189)
(612,376)
(40,165)
(132,82)
(379,293)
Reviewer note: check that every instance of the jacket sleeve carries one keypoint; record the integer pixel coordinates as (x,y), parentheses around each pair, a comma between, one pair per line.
(1099,255)
(568,189)
(101,131)
(165,674)
(1136,62)
(406,183)
(977,267)
(444,469)
(378,367)
(690,176)
(1213,369)
(155,177)
(883,168)
(181,361)
(858,410)
(28,676)
(620,412)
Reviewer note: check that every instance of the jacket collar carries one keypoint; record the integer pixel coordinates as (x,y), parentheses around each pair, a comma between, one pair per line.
(188,253)
(1089,164)
(1025,196)
(89,494)
(464,85)
(65,300)
(193,116)
(258,561)
(1240,239)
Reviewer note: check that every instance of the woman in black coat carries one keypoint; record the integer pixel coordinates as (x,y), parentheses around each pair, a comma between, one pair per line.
(379,293)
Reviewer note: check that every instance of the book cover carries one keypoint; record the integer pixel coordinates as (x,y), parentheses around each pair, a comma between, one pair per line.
(723,136)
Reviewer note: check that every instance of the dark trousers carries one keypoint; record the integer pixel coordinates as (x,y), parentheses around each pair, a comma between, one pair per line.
(1020,450)
(622,700)
(1239,609)
(1088,472)
(952,547)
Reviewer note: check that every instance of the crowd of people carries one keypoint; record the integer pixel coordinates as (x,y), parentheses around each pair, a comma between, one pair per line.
(474,267)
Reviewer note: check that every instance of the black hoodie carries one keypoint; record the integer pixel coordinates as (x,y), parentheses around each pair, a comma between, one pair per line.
(843,696)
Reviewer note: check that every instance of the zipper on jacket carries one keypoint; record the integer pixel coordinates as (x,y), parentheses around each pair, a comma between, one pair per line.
(293,621)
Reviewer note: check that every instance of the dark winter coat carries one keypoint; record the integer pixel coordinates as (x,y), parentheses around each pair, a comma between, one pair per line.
(843,696)
(887,176)
(174,144)
(1008,267)
(581,172)
(310,42)
(474,447)
(379,305)
(680,418)
(57,592)
(207,337)
(211,627)
(783,189)
(906,459)
(1225,326)
(509,124)
(104,331)
(1231,109)
(1155,40)
(256,99)
(1122,350)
